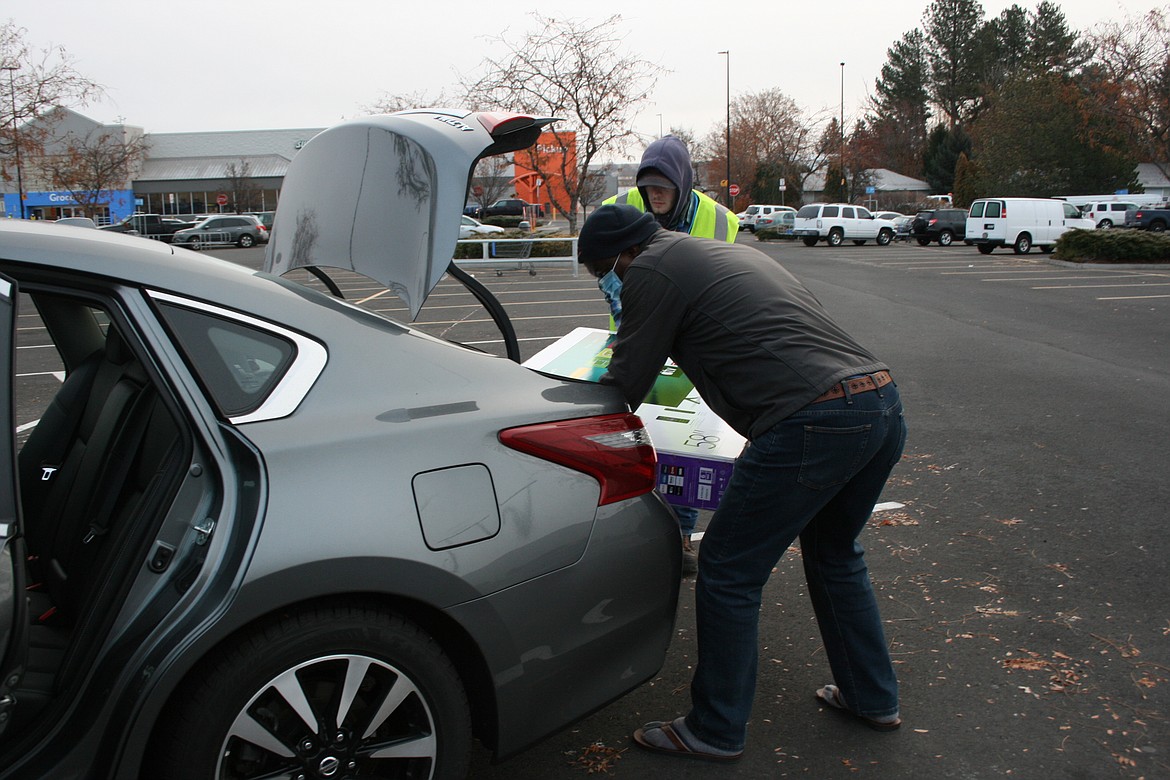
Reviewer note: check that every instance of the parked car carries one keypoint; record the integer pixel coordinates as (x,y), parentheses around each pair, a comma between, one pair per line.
(784,221)
(1021,223)
(941,225)
(1154,219)
(85,222)
(274,534)
(243,230)
(758,210)
(899,221)
(266,219)
(836,223)
(511,207)
(153,226)
(472,210)
(470,228)
(1108,213)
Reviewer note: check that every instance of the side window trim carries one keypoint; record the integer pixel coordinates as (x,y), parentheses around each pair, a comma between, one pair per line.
(300,377)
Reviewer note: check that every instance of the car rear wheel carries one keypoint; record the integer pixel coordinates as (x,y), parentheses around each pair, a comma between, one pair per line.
(884,237)
(924,242)
(1157,226)
(245,241)
(945,238)
(985,249)
(1105,224)
(836,237)
(334,691)
(810,241)
(1023,244)
(194,243)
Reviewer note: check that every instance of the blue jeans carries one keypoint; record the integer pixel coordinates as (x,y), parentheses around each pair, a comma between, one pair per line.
(688,518)
(816,475)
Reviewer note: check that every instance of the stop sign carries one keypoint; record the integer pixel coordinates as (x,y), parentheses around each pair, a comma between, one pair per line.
(733,189)
(221,199)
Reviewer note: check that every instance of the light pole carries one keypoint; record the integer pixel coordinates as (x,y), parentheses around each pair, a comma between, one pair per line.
(841,161)
(728,55)
(15,136)
(660,125)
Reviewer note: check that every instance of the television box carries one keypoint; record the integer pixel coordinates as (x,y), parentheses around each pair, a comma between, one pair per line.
(696,449)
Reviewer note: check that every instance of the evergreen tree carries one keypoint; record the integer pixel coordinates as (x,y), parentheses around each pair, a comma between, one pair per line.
(1054,48)
(900,109)
(943,148)
(953,41)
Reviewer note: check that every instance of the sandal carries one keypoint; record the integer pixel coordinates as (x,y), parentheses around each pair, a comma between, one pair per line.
(831,695)
(677,746)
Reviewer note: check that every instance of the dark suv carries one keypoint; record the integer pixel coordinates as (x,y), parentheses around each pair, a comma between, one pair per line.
(941,225)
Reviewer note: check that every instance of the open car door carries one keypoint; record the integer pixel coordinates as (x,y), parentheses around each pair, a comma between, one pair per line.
(13,606)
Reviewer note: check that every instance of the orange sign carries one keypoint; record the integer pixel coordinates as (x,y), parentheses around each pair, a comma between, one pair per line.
(541,170)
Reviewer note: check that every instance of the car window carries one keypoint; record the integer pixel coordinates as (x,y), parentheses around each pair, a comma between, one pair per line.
(239,365)
(846,212)
(1117,207)
(992,209)
(1071,212)
(863,213)
(808,212)
(830,211)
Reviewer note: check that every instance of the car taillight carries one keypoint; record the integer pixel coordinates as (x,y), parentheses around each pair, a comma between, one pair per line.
(933,220)
(614,449)
(262,228)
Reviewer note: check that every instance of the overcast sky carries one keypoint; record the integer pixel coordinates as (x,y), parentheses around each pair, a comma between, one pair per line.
(255,64)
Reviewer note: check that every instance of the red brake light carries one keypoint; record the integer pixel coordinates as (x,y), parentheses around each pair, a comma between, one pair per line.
(933,220)
(614,449)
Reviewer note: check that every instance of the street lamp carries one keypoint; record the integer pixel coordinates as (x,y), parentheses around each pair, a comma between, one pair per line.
(728,181)
(15,136)
(841,161)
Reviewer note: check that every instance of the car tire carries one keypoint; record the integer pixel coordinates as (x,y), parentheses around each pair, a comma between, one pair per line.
(194,243)
(923,242)
(884,237)
(1157,226)
(809,240)
(1105,224)
(945,238)
(292,670)
(245,241)
(985,249)
(1023,244)
(836,237)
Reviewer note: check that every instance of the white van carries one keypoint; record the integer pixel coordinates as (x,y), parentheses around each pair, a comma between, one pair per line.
(756,210)
(1021,223)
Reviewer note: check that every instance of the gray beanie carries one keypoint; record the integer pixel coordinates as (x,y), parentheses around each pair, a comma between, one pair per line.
(611,230)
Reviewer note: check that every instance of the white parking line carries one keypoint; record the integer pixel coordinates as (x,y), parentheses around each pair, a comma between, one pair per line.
(1095,286)
(1133,297)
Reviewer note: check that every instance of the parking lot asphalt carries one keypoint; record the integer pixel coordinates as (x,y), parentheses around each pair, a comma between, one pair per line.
(1020,554)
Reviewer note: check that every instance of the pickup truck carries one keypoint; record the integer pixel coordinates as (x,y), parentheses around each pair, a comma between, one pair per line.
(1155,220)
(149,225)
(510,207)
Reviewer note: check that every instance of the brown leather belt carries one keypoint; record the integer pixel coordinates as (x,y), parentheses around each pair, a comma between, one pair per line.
(856,385)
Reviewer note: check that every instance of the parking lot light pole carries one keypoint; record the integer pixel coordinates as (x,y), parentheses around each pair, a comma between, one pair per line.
(15,136)
(728,182)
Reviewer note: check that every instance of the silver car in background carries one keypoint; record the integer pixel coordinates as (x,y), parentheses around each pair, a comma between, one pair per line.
(258,531)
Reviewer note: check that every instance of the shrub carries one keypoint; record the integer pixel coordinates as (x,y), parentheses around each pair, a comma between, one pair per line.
(1113,246)
(773,234)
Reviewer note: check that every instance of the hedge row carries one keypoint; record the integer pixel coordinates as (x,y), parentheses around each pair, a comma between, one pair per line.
(474,250)
(1116,245)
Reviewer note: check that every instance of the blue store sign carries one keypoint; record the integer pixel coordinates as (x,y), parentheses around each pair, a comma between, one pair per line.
(121,202)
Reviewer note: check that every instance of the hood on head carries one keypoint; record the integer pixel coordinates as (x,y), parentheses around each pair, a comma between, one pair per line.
(669,156)
(384,195)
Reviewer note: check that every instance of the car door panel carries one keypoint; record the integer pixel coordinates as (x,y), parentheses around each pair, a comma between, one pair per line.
(13,607)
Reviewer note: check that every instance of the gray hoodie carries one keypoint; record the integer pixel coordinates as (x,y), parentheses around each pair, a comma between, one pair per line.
(669,156)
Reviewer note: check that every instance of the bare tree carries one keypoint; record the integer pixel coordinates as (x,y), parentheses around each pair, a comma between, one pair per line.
(389,103)
(492,179)
(1135,58)
(772,138)
(576,71)
(91,168)
(244,193)
(42,80)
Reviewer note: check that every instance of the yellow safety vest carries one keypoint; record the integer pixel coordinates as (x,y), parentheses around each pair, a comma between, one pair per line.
(708,220)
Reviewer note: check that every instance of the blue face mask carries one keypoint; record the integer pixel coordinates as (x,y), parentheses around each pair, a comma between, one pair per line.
(611,288)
